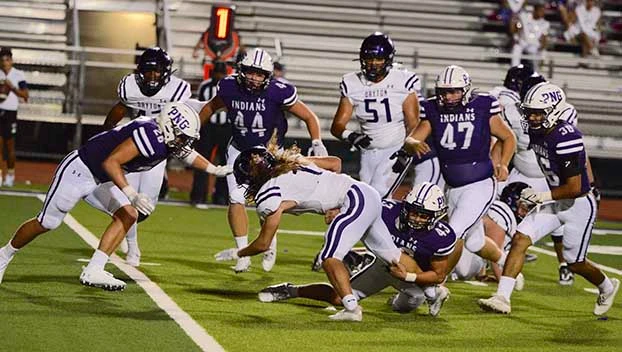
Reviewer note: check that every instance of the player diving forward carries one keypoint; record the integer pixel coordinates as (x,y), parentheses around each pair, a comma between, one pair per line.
(415,226)
(284,182)
(562,158)
(136,146)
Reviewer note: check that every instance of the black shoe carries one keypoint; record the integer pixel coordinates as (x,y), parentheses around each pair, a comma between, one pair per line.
(566,277)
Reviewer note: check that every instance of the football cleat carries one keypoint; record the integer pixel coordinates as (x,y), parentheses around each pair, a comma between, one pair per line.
(496,303)
(101,279)
(348,315)
(435,305)
(275,293)
(269,258)
(520,282)
(605,300)
(243,265)
(566,277)
(9,180)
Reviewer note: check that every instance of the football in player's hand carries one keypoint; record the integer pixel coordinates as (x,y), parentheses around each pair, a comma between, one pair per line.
(5,89)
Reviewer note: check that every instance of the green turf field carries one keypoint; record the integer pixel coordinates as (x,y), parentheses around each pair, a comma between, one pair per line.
(43,307)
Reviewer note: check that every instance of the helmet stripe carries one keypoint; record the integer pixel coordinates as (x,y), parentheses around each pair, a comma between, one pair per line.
(427,192)
(445,75)
(255,57)
(451,73)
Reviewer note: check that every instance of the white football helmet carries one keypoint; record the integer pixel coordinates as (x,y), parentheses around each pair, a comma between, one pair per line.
(180,126)
(453,77)
(259,61)
(423,207)
(544,98)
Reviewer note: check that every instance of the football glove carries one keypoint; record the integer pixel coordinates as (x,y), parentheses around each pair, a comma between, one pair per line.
(219,171)
(140,201)
(318,148)
(359,140)
(402,162)
(227,254)
(530,195)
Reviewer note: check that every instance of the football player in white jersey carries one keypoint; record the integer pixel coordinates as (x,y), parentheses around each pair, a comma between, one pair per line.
(285,182)
(143,94)
(385,103)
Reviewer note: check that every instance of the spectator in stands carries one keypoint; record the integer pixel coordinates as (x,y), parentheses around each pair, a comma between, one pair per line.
(582,25)
(279,73)
(215,135)
(12,87)
(532,30)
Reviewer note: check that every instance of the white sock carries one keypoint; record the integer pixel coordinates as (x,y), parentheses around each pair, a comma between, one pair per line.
(98,260)
(502,259)
(273,243)
(132,234)
(241,241)
(430,292)
(506,286)
(606,286)
(8,250)
(563,264)
(350,302)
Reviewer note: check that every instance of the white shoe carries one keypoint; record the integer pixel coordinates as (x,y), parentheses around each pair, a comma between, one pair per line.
(275,293)
(133,257)
(4,262)
(496,303)
(9,180)
(348,315)
(520,282)
(605,301)
(101,279)
(269,258)
(243,265)
(435,305)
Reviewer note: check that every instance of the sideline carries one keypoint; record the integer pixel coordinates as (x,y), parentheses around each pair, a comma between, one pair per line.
(195,331)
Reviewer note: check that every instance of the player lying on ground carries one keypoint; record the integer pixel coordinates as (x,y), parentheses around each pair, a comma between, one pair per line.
(136,146)
(285,182)
(414,225)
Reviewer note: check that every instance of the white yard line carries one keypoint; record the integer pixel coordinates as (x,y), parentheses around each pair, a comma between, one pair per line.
(552,254)
(195,331)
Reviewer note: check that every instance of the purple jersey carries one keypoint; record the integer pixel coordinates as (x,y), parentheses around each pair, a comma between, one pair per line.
(254,117)
(561,154)
(422,245)
(462,138)
(145,134)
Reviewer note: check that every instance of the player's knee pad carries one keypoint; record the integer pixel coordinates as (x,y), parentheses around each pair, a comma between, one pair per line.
(468,266)
(51,221)
(474,243)
(405,303)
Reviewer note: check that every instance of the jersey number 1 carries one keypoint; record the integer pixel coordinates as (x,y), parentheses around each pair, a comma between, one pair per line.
(448,142)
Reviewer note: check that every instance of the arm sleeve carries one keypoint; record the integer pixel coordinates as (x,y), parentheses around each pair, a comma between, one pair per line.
(122,90)
(268,201)
(495,108)
(289,94)
(413,84)
(143,143)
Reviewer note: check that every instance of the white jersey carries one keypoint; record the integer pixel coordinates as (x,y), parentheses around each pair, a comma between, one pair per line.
(525,159)
(18,80)
(505,96)
(314,190)
(503,216)
(588,19)
(532,29)
(378,106)
(130,95)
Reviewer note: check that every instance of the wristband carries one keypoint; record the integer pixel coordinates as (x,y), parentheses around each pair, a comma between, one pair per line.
(410,277)
(129,191)
(190,158)
(346,133)
(317,141)
(546,196)
(411,140)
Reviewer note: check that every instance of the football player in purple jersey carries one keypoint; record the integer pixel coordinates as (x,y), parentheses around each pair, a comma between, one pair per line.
(561,154)
(255,105)
(136,146)
(415,226)
(461,124)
